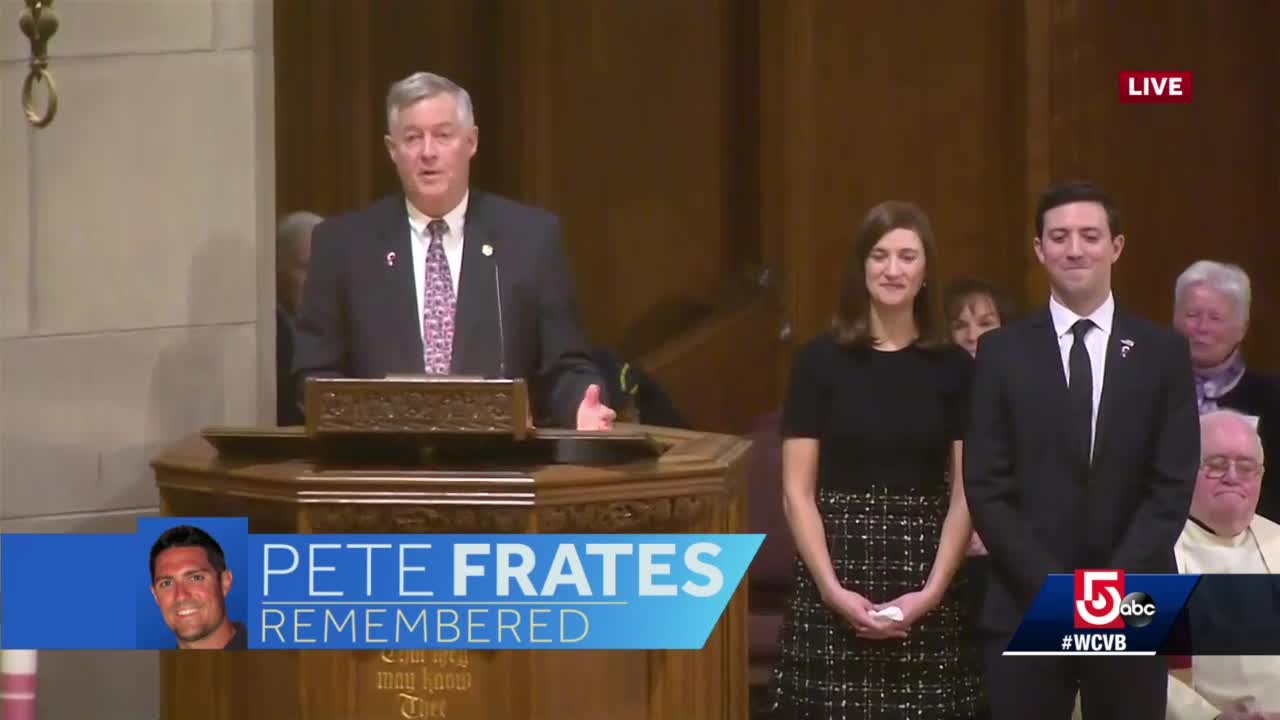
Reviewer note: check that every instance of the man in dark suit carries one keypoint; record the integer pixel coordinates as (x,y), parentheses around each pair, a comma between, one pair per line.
(1082,452)
(411,284)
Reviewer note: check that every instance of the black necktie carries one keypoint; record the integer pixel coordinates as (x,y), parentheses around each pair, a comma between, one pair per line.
(1081,385)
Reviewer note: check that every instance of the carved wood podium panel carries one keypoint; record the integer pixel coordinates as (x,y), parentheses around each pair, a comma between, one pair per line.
(636,479)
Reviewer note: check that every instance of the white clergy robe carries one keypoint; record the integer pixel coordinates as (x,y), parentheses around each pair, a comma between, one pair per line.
(1215,684)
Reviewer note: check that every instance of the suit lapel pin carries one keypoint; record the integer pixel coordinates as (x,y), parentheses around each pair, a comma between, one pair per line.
(1125,346)
(487,249)
(391,259)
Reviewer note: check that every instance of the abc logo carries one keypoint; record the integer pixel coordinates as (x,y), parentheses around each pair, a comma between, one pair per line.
(1137,609)
(1101,602)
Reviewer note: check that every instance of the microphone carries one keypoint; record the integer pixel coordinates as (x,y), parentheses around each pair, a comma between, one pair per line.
(502,339)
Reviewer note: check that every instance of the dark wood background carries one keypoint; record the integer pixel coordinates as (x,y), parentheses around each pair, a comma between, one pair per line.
(710,159)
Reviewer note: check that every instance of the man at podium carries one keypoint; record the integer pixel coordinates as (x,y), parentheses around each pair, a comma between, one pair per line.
(445,280)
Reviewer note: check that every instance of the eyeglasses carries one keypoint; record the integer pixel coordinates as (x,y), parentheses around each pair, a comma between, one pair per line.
(1216,466)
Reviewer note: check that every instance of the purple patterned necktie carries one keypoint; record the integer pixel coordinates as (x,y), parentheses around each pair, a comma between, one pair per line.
(437,304)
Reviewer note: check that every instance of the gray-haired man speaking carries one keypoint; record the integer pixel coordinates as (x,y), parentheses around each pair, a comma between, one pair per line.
(443,279)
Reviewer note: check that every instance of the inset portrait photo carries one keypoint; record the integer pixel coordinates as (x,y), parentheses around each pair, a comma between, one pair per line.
(192,598)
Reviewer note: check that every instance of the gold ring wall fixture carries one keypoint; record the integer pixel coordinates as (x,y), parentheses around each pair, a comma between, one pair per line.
(39,24)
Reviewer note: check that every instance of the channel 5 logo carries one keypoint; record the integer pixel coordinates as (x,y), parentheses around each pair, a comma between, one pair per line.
(1101,602)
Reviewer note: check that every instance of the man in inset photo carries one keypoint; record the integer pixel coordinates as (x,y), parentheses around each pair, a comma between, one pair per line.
(190,582)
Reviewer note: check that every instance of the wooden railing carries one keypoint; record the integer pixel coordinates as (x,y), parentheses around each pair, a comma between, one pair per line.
(722,371)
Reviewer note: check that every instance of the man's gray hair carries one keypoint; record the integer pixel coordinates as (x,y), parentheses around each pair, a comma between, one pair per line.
(292,228)
(1228,279)
(1249,422)
(423,85)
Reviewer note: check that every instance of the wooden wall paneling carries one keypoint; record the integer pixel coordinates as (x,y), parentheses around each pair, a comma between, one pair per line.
(1192,180)
(920,113)
(360,127)
(633,108)
(637,131)
(740,140)
(322,53)
(1268,354)
(1034,54)
(720,372)
(788,151)
(324,106)
(530,81)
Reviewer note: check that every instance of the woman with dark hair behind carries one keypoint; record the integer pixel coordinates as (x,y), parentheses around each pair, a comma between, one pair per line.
(974,307)
(871,425)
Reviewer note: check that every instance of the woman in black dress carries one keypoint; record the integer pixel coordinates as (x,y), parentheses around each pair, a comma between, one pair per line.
(871,455)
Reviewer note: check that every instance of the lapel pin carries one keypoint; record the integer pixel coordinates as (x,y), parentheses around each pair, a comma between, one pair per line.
(391,259)
(487,249)
(1125,346)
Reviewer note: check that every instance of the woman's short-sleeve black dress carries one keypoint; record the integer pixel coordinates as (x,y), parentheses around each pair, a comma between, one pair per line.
(885,422)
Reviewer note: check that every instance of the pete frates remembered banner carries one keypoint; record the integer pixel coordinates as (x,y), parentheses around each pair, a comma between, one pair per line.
(382,592)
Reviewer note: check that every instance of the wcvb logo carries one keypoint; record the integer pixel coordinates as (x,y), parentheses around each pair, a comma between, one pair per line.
(1101,602)
(1155,87)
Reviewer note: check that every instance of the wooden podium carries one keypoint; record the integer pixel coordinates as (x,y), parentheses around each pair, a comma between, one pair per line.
(457,456)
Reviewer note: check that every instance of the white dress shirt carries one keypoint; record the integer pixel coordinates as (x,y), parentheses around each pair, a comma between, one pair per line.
(1095,342)
(420,240)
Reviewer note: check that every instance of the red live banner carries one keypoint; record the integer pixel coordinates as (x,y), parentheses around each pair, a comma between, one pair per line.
(1155,87)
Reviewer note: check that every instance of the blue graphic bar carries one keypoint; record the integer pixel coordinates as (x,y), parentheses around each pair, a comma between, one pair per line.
(1179,615)
(160,588)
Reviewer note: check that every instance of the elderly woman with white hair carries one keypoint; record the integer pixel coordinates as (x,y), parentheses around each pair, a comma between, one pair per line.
(1211,308)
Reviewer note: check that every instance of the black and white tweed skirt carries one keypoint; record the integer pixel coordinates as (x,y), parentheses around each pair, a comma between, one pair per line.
(882,545)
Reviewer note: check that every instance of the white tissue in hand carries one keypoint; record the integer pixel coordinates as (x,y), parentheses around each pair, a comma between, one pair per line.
(894,613)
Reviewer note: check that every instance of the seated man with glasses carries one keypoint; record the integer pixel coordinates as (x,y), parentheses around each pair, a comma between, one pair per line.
(1224,535)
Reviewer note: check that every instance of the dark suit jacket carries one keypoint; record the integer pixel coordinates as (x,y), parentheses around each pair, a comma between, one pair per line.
(288,404)
(359,314)
(626,383)
(1035,501)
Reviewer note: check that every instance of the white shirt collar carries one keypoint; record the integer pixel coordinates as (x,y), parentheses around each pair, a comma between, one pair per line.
(1064,317)
(1201,533)
(455,218)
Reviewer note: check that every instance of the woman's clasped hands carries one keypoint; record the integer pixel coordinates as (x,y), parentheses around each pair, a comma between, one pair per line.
(869,620)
